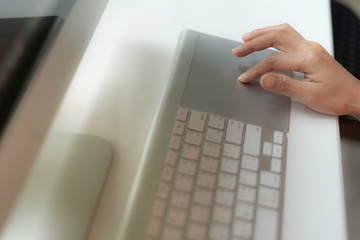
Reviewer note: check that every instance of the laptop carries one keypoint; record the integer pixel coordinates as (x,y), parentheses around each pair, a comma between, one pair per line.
(214,163)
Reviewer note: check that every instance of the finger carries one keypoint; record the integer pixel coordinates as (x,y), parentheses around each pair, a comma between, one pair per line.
(285,28)
(279,40)
(285,85)
(274,62)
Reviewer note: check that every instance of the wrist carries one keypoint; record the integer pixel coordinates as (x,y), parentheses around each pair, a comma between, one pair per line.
(354,106)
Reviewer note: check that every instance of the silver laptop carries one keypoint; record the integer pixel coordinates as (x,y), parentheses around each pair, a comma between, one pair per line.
(214,163)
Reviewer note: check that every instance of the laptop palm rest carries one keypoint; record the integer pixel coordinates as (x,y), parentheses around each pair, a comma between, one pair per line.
(212,86)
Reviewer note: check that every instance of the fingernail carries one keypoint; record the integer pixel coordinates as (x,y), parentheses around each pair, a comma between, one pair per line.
(236,48)
(268,82)
(241,77)
(246,35)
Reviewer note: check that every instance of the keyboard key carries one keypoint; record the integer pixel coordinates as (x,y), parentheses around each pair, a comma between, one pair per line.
(179,128)
(171,157)
(163,190)
(200,213)
(242,229)
(203,196)
(234,132)
(187,167)
(211,149)
(196,231)
(154,227)
(231,150)
(175,142)
(194,138)
(278,137)
(225,197)
(229,165)
(171,233)
(206,179)
(250,162)
(197,121)
(222,214)
(214,135)
(270,179)
(159,208)
(252,140)
(190,152)
(168,173)
(244,210)
(266,224)
(219,232)
(275,165)
(180,199)
(217,122)
(182,114)
(277,151)
(209,164)
(247,194)
(267,148)
(268,197)
(176,217)
(248,177)
(227,181)
(184,182)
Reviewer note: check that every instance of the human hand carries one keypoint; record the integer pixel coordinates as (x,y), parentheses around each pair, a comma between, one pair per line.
(326,87)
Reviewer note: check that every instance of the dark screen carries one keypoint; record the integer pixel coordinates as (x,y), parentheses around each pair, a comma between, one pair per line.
(22,44)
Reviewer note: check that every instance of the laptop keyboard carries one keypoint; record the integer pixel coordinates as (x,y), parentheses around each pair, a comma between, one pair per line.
(223,179)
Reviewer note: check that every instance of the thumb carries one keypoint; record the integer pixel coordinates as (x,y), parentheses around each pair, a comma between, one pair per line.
(283,84)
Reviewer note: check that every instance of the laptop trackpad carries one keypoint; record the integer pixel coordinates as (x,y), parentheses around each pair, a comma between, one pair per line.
(212,86)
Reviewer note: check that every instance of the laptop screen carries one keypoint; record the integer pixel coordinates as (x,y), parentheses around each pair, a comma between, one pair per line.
(22,42)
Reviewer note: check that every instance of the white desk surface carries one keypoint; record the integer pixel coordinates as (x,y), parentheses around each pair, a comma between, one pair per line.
(122,76)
